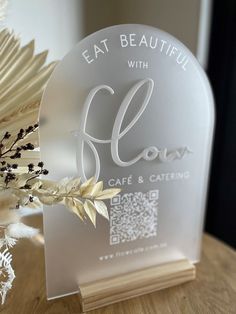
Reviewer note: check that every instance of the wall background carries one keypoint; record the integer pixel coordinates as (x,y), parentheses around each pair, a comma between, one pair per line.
(58,25)
(55,24)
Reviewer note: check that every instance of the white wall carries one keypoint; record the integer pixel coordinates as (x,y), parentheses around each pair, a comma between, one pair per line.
(58,25)
(55,24)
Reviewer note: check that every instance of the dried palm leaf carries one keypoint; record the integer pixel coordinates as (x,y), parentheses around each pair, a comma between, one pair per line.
(23,76)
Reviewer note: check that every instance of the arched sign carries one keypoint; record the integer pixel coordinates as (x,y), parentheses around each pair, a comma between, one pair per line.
(131,106)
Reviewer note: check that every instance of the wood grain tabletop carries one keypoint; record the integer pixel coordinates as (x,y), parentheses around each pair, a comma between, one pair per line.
(213,292)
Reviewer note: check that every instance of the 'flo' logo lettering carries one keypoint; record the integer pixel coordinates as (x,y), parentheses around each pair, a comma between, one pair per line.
(148,154)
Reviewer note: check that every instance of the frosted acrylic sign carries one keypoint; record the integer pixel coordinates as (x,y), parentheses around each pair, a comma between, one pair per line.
(131,106)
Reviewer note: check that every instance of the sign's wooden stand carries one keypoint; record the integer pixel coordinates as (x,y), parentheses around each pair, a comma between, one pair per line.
(110,290)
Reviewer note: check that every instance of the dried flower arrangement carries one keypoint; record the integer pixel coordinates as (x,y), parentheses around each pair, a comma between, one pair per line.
(23,78)
(29,189)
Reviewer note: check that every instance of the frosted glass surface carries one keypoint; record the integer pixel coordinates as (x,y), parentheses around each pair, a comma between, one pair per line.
(131,105)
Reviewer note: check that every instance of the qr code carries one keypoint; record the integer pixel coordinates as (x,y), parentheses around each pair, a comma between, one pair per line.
(133,216)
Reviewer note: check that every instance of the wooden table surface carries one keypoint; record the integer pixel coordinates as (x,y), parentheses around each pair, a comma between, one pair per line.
(214,290)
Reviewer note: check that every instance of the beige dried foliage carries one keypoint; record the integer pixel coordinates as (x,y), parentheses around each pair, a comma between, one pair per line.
(84,200)
(23,78)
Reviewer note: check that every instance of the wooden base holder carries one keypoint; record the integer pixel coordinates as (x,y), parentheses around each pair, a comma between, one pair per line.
(110,290)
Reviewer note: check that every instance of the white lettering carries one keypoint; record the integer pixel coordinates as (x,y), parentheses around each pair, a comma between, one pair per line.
(123,40)
(151,45)
(148,154)
(132,39)
(137,64)
(97,50)
(86,56)
(173,50)
(163,42)
(104,42)
(143,41)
